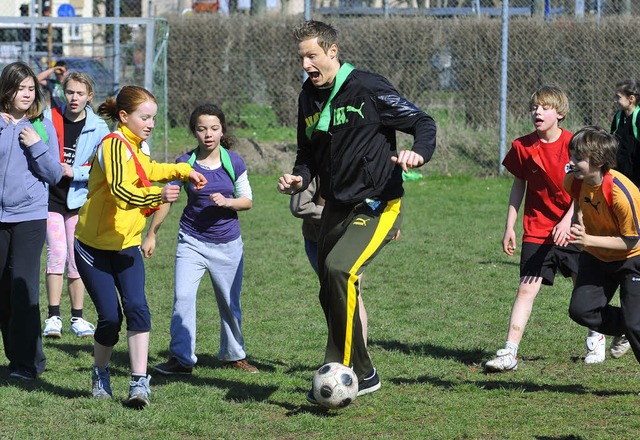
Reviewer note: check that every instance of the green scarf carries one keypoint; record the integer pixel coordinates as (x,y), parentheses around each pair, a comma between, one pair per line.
(322,124)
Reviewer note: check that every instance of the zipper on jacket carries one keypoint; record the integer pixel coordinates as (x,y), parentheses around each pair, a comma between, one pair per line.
(7,163)
(365,163)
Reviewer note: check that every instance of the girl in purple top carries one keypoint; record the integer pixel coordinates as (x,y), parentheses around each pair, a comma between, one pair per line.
(208,240)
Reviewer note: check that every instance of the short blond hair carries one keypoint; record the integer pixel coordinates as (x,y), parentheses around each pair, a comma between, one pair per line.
(553,97)
(327,35)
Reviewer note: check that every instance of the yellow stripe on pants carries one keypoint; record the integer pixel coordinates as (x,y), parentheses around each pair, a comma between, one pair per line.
(387,219)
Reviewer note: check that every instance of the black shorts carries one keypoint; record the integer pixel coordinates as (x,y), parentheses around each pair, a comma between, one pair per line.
(544,260)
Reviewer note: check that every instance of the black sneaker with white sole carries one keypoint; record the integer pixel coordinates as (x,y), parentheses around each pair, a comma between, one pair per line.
(369,384)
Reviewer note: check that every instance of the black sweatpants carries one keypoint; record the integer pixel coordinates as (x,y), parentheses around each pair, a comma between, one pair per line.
(350,238)
(20,248)
(595,286)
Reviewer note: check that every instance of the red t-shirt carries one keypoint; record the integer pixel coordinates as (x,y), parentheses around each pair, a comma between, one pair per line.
(541,165)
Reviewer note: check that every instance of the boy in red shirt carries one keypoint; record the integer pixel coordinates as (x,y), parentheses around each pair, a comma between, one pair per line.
(607,228)
(537,162)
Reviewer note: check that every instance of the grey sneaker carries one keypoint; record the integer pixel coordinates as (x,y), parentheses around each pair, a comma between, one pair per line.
(101,382)
(504,361)
(138,393)
(619,346)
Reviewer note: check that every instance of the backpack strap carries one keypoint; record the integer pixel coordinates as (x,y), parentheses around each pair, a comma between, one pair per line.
(58,124)
(607,188)
(634,119)
(142,175)
(38,126)
(225,158)
(139,170)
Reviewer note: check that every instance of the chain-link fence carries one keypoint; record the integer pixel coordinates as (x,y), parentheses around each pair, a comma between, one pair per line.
(449,66)
(138,59)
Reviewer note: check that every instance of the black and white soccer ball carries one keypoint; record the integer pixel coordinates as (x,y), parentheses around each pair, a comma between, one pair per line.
(335,385)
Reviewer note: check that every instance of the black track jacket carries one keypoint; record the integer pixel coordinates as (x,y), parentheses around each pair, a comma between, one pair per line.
(353,157)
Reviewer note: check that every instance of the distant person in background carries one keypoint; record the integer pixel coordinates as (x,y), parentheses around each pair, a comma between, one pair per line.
(108,235)
(626,126)
(29,163)
(53,84)
(209,240)
(79,132)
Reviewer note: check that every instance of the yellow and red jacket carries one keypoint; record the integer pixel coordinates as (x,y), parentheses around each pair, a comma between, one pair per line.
(113,217)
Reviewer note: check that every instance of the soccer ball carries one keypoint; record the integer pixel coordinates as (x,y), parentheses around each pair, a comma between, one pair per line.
(335,385)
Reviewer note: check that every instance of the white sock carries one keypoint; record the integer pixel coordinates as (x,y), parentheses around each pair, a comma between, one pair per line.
(513,348)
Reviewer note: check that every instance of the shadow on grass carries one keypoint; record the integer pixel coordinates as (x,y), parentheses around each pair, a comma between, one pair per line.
(520,386)
(209,361)
(559,437)
(467,357)
(119,363)
(500,262)
(39,385)
(243,391)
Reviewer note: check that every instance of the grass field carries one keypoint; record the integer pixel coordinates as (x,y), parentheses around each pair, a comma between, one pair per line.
(438,302)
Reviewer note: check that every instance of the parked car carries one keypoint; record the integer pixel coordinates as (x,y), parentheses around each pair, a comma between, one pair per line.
(102,76)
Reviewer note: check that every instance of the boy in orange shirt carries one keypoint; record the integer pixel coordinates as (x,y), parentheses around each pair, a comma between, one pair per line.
(608,229)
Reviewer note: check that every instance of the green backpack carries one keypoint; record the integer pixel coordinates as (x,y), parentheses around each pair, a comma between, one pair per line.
(634,118)
(224,158)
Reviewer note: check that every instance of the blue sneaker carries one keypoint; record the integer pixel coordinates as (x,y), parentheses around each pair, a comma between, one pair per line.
(138,393)
(101,382)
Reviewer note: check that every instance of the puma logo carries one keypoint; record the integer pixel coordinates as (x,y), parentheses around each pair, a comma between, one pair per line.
(588,200)
(356,110)
(361,221)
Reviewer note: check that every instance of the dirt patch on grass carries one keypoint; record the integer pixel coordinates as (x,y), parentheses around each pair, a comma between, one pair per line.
(266,157)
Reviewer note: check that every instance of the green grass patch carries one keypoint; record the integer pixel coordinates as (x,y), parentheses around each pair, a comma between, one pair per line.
(438,301)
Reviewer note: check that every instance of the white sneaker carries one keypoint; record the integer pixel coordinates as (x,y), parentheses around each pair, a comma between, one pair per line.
(504,361)
(52,327)
(596,347)
(619,346)
(82,328)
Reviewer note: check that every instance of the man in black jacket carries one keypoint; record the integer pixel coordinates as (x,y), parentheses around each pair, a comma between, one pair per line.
(347,122)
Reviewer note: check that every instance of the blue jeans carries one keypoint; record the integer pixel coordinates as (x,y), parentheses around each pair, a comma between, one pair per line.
(311,248)
(224,262)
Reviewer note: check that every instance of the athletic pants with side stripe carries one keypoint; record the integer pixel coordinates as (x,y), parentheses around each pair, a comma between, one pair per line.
(350,238)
